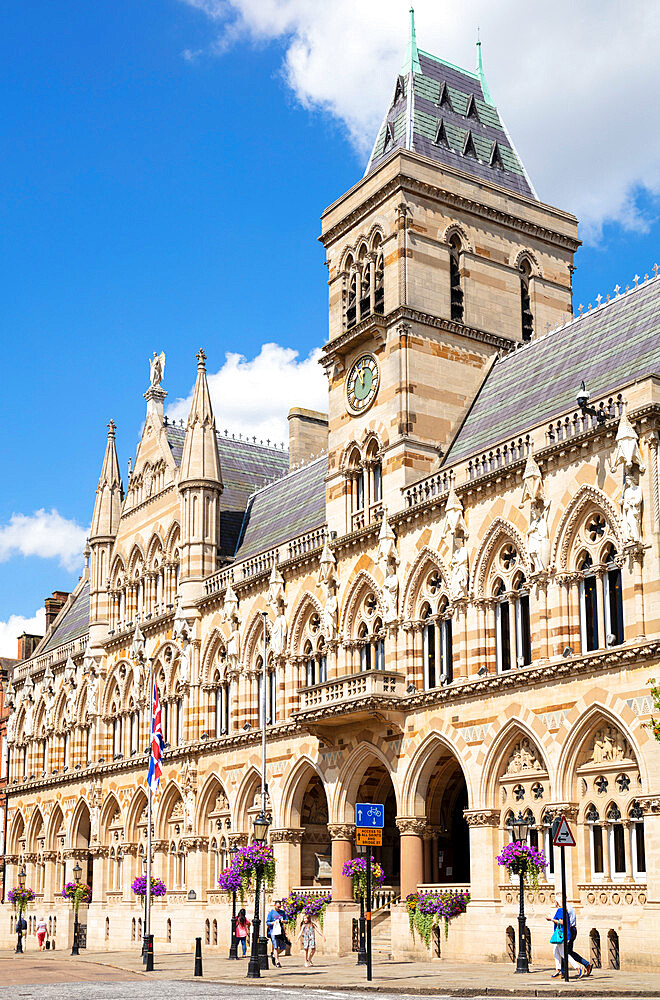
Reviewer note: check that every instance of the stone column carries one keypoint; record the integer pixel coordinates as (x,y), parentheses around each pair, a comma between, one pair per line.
(342,835)
(428,855)
(287,850)
(412,830)
(627,846)
(607,876)
(483,826)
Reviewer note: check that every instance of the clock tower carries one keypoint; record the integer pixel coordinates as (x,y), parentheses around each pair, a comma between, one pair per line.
(439,259)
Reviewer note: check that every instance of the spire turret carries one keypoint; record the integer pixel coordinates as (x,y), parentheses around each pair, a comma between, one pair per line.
(200,458)
(412,64)
(109,492)
(482,76)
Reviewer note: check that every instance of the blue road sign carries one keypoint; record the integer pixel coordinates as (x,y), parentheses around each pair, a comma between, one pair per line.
(370,814)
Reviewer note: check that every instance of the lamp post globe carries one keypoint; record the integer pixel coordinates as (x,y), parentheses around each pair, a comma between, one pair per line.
(261,825)
(519,829)
(21,878)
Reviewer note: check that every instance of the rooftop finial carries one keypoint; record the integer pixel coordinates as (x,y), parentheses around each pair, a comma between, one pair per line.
(412,64)
(482,76)
(111,428)
(201,359)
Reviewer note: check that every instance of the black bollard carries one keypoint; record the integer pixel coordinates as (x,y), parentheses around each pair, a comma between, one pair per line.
(198,957)
(150,953)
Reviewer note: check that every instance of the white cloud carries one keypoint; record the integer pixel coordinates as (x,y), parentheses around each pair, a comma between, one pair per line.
(45,534)
(15,626)
(253,397)
(576,83)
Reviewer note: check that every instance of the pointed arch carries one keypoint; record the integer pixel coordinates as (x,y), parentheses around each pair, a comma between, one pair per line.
(171,796)
(293,790)
(343,800)
(17,832)
(421,767)
(362,583)
(244,797)
(215,644)
(80,824)
(586,496)
(156,545)
(306,605)
(110,807)
(427,560)
(252,637)
(350,456)
(526,253)
(133,813)
(36,825)
(516,728)
(456,229)
(55,827)
(207,797)
(499,530)
(172,538)
(117,570)
(596,714)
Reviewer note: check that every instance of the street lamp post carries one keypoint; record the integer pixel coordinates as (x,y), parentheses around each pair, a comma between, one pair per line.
(19,933)
(233,948)
(362,939)
(254,969)
(519,827)
(144,923)
(77,872)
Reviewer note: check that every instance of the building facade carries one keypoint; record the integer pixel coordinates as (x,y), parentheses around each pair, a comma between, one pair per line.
(455,587)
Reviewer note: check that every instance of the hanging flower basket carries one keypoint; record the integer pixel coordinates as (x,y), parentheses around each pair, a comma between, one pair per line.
(427,909)
(522,859)
(242,871)
(356,869)
(297,903)
(139,886)
(77,894)
(20,898)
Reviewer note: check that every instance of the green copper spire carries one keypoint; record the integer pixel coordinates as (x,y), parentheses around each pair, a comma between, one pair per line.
(482,76)
(412,65)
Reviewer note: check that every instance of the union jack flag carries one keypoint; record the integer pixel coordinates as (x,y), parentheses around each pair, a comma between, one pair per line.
(157,745)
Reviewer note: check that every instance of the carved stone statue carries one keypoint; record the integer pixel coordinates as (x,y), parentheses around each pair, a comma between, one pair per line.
(327,565)
(157,369)
(532,481)
(459,568)
(230,607)
(189,808)
(331,612)
(609,745)
(454,519)
(523,758)
(538,537)
(390,592)
(626,452)
(184,663)
(631,505)
(49,702)
(279,631)
(387,544)
(275,587)
(234,644)
(93,684)
(70,673)
(28,725)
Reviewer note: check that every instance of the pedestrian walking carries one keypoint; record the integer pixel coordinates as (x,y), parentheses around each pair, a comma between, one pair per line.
(242,929)
(572,934)
(557,938)
(275,922)
(308,932)
(42,933)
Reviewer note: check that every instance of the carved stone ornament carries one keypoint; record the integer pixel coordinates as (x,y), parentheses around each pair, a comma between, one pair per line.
(327,565)
(532,481)
(284,836)
(341,831)
(230,607)
(626,452)
(411,825)
(649,803)
(608,745)
(275,587)
(156,369)
(482,817)
(524,757)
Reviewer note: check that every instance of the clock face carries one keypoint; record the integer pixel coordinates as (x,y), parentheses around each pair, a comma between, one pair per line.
(362,384)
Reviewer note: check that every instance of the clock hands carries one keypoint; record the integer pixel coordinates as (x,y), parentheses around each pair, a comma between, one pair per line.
(360,372)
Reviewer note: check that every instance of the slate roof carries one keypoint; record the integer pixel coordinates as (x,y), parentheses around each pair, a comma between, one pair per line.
(433,94)
(245,467)
(289,507)
(609,347)
(74,622)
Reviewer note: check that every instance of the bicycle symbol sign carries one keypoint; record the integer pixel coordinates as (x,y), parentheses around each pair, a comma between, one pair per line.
(370,814)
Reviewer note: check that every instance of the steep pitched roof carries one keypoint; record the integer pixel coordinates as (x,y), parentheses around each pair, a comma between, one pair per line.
(74,621)
(288,507)
(245,467)
(609,347)
(434,108)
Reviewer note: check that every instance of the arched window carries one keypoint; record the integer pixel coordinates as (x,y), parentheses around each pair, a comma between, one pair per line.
(588,605)
(428,648)
(616,841)
(134,733)
(523,634)
(351,296)
(272,697)
(502,628)
(512,626)
(592,818)
(612,599)
(456,290)
(527,320)
(379,278)
(365,285)
(638,847)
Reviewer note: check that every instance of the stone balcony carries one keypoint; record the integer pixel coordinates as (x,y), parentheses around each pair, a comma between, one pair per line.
(370,694)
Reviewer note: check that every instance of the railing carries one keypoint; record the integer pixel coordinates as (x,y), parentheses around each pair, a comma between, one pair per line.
(219,581)
(262,563)
(54,656)
(440,887)
(383,897)
(579,421)
(311,891)
(433,486)
(306,543)
(351,687)
(498,458)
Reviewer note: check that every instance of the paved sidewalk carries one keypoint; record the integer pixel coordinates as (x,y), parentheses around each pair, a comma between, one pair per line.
(341,974)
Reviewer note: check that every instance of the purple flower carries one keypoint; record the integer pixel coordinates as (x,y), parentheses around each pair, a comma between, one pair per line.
(139,886)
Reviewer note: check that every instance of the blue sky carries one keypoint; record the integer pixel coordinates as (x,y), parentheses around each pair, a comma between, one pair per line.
(162,181)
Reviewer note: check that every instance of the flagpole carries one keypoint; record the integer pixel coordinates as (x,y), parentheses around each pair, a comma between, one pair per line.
(151,725)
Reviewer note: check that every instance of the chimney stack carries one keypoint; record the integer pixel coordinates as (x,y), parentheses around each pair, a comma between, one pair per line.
(54,605)
(308,435)
(27,645)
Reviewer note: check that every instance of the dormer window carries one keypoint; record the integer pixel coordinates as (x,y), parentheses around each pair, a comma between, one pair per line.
(399,90)
(444,100)
(471,110)
(389,136)
(496,157)
(456,290)
(441,135)
(469,148)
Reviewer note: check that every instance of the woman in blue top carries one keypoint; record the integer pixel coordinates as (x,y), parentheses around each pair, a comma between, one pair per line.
(558,922)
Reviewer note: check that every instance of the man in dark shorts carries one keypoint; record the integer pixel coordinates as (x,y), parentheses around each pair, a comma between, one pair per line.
(275,922)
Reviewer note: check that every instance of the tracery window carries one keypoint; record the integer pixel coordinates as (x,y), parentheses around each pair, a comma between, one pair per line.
(436,645)
(599,587)
(364,487)
(364,291)
(371,641)
(316,662)
(512,617)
